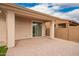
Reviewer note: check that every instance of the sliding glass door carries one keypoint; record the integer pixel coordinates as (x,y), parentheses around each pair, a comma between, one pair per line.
(37,29)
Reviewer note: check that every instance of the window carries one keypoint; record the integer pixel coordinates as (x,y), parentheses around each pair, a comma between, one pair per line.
(62,25)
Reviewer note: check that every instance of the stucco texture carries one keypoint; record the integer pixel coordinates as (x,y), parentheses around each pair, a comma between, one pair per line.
(3,32)
(23,28)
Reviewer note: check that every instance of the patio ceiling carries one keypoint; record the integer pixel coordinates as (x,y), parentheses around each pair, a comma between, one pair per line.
(26,12)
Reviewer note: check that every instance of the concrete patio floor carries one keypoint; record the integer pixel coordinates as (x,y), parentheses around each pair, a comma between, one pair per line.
(44,47)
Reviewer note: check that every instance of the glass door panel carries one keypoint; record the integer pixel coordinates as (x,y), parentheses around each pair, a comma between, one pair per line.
(37,29)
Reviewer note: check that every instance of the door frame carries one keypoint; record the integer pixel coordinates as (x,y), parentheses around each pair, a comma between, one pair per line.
(41,28)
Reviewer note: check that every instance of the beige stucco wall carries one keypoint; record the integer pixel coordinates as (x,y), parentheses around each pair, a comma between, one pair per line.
(58,21)
(2,28)
(23,28)
(71,33)
(61,33)
(47,28)
(74,33)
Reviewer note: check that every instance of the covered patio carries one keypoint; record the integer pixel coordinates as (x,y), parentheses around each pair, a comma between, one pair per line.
(17,23)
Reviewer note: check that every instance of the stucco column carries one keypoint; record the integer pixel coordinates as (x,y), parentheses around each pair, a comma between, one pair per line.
(52,29)
(10,22)
(43,29)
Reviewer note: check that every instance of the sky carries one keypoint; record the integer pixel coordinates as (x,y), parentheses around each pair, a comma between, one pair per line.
(68,11)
